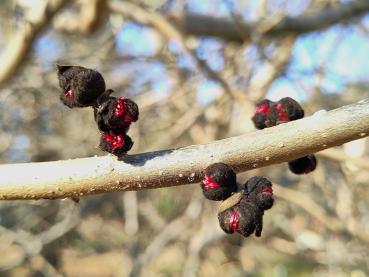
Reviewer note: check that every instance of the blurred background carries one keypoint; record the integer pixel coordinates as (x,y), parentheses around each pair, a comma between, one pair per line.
(196,70)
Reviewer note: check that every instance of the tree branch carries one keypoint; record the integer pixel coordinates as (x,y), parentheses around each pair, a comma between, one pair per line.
(170,32)
(229,30)
(87,176)
(21,42)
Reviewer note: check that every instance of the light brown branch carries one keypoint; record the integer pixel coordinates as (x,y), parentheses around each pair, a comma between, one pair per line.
(229,30)
(172,167)
(92,14)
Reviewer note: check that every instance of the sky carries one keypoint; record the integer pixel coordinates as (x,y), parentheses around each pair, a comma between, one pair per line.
(341,51)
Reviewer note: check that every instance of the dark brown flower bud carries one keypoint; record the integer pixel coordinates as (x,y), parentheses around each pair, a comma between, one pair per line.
(81,86)
(115,114)
(219,182)
(117,144)
(284,110)
(239,214)
(260,190)
(261,112)
(303,165)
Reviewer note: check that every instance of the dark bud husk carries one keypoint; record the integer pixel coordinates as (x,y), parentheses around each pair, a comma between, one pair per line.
(115,114)
(285,110)
(303,165)
(117,144)
(260,191)
(240,214)
(219,182)
(81,86)
(261,111)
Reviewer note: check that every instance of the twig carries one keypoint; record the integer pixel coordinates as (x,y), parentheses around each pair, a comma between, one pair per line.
(71,218)
(87,176)
(32,244)
(310,206)
(171,231)
(150,213)
(208,233)
(319,213)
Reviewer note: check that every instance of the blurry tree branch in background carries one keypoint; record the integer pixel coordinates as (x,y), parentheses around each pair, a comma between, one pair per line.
(331,223)
(31,245)
(341,156)
(94,12)
(229,30)
(87,176)
(168,233)
(170,32)
(21,42)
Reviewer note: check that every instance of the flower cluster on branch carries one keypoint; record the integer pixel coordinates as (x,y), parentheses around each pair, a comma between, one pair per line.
(83,87)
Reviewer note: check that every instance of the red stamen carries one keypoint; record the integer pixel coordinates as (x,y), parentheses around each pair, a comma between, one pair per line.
(267,190)
(233,220)
(69,94)
(120,110)
(115,141)
(120,107)
(262,109)
(209,183)
(281,114)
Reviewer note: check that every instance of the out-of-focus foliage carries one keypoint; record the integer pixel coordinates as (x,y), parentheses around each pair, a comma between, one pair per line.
(320,222)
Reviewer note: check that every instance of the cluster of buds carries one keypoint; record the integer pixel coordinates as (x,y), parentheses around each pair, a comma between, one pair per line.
(113,117)
(83,87)
(244,204)
(268,114)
